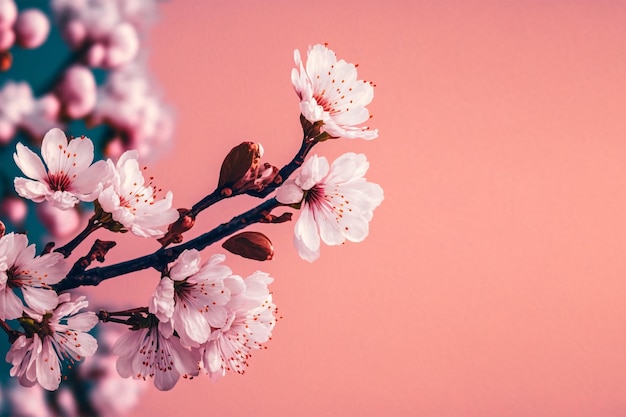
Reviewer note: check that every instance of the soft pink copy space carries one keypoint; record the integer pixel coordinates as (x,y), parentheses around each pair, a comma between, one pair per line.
(493,279)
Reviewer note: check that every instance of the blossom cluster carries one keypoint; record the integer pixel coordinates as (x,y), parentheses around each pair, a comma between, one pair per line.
(201,317)
(107,35)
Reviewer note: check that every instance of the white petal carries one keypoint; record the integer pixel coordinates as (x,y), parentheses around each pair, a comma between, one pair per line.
(52,147)
(48,369)
(32,190)
(306,238)
(29,163)
(289,193)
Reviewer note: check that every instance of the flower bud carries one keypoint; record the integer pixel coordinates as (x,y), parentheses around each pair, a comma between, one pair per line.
(78,92)
(32,28)
(241,159)
(3,228)
(175,230)
(251,245)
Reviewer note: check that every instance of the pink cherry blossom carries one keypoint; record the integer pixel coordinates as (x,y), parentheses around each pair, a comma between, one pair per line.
(21,270)
(330,93)
(8,13)
(60,335)
(191,297)
(16,101)
(129,101)
(133,203)
(147,352)
(248,325)
(70,177)
(77,91)
(59,223)
(32,28)
(337,202)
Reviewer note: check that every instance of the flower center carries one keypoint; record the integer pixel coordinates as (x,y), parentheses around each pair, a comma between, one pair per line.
(59,181)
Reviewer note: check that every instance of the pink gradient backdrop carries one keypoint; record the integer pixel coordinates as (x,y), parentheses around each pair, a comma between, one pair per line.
(494,277)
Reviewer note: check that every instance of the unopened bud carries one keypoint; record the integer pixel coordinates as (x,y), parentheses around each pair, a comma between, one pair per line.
(251,245)
(175,230)
(3,228)
(241,159)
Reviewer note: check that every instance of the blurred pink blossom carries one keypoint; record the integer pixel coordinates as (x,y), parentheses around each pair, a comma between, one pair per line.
(32,28)
(43,117)
(16,101)
(14,208)
(8,13)
(109,29)
(59,223)
(129,103)
(7,38)
(77,91)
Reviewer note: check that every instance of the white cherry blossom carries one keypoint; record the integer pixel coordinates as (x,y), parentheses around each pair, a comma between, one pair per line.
(70,177)
(147,352)
(337,202)
(330,93)
(192,297)
(133,203)
(61,335)
(248,325)
(32,276)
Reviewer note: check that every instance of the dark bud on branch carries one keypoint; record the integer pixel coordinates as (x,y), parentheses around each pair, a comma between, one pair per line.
(3,229)
(270,218)
(97,253)
(242,170)
(175,231)
(251,245)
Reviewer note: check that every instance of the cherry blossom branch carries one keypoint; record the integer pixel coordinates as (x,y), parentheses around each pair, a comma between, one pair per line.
(91,227)
(159,259)
(13,334)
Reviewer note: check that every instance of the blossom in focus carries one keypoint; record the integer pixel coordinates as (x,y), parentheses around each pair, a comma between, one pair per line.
(147,352)
(61,335)
(16,101)
(330,93)
(191,297)
(70,178)
(33,276)
(337,202)
(248,325)
(133,203)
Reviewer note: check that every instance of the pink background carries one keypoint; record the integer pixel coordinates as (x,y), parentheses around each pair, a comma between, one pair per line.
(493,280)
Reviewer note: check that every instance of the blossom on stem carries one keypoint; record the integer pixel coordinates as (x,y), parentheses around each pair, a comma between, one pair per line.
(70,177)
(133,203)
(248,325)
(33,276)
(331,94)
(337,202)
(191,297)
(147,352)
(60,335)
